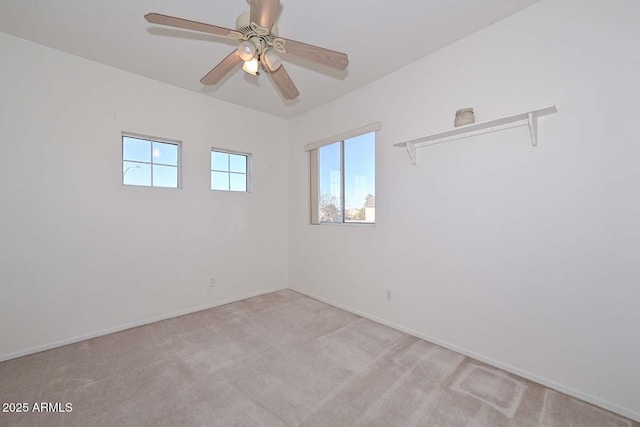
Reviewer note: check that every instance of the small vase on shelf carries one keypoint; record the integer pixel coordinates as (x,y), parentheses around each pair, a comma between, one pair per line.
(464,117)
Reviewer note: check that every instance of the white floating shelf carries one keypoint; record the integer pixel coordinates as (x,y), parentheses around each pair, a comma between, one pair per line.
(529,118)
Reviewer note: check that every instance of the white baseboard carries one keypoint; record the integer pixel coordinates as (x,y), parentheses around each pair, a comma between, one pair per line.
(135,324)
(625,412)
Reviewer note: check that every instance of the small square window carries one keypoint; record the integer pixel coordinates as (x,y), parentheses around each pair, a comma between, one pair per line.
(229,171)
(150,162)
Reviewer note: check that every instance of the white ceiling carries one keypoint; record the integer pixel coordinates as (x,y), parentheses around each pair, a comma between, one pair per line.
(379,36)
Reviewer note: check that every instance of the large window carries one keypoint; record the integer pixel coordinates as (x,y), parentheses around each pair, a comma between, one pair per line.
(229,171)
(343,181)
(150,162)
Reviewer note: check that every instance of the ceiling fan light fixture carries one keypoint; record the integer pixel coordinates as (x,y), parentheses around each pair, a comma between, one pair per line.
(247,51)
(252,66)
(271,60)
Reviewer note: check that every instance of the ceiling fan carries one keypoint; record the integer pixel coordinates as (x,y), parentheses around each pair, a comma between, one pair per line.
(259,46)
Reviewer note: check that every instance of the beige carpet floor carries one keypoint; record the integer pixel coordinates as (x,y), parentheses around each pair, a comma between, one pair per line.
(280,359)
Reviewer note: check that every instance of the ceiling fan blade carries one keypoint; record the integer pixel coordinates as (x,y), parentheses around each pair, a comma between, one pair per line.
(327,57)
(222,69)
(171,21)
(263,12)
(284,83)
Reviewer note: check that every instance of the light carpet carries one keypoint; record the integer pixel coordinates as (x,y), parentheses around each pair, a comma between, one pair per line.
(280,359)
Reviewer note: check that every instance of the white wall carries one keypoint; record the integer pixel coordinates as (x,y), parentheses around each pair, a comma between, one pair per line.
(80,253)
(524,257)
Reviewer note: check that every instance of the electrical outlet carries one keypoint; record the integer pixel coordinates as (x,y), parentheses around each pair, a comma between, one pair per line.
(212,283)
(387,294)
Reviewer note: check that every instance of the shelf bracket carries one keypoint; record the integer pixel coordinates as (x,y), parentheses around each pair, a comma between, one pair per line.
(411,149)
(533,129)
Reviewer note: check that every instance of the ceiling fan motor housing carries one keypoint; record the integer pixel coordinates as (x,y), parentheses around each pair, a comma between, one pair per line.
(243,23)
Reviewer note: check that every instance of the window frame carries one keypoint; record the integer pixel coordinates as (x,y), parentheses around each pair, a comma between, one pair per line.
(247,174)
(152,139)
(314,173)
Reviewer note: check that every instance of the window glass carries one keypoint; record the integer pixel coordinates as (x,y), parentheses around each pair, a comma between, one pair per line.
(165,176)
(136,149)
(219,161)
(136,173)
(330,183)
(238,163)
(166,154)
(149,162)
(219,181)
(229,171)
(359,178)
(237,182)
(346,181)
